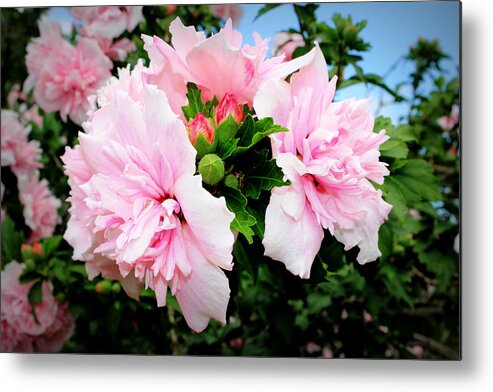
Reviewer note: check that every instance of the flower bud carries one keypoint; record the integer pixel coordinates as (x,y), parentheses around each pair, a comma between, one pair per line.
(103,287)
(231,181)
(228,106)
(34,249)
(201,125)
(211,167)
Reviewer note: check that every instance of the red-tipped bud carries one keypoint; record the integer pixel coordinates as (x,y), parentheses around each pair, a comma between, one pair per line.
(35,249)
(228,106)
(201,125)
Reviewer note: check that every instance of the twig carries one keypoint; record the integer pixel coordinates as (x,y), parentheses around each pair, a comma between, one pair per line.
(438,347)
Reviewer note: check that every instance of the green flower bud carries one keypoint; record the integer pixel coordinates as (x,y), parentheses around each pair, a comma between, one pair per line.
(211,167)
(231,181)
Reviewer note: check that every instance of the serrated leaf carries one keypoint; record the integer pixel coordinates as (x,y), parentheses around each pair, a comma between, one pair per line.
(264,175)
(397,283)
(243,221)
(394,148)
(11,241)
(251,132)
(195,103)
(416,177)
(259,226)
(50,245)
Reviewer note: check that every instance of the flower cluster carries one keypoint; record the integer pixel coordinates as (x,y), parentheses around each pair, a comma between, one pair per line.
(43,327)
(23,157)
(140,214)
(62,75)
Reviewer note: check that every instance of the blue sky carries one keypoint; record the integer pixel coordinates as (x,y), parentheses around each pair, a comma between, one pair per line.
(392,28)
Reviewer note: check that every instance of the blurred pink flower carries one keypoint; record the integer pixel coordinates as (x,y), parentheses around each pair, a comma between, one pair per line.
(218,65)
(226,11)
(15,95)
(32,115)
(108,21)
(40,206)
(448,122)
(58,333)
(286,44)
(116,50)
(64,76)
(42,48)
(17,151)
(327,353)
(136,204)
(330,154)
(367,318)
(417,350)
(312,348)
(20,330)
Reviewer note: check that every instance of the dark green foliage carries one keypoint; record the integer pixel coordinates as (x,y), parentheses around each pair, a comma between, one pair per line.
(409,296)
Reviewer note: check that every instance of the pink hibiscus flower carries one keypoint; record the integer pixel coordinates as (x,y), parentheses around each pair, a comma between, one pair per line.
(116,50)
(329,155)
(448,122)
(286,44)
(226,11)
(17,151)
(138,208)
(108,21)
(40,206)
(20,330)
(64,76)
(218,65)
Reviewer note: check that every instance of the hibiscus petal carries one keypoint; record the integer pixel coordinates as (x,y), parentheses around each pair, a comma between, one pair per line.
(201,209)
(204,294)
(294,242)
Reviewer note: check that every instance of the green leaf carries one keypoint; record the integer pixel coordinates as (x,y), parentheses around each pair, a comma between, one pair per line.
(317,302)
(417,176)
(333,288)
(195,103)
(50,245)
(224,137)
(28,276)
(35,295)
(11,241)
(394,148)
(243,220)
(397,283)
(243,259)
(392,193)
(251,132)
(266,8)
(444,267)
(264,174)
(202,146)
(259,227)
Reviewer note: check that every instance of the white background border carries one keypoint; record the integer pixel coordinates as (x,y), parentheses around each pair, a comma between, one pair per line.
(474,373)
